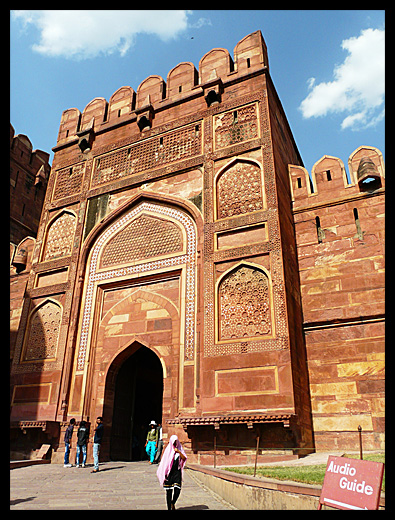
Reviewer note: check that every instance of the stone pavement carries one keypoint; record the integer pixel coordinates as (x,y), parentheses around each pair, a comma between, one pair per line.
(118,485)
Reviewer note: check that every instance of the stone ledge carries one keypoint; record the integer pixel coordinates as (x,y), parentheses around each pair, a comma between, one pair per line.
(247,492)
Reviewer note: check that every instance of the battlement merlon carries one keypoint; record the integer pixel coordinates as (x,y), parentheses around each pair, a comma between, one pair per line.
(329,182)
(35,161)
(183,81)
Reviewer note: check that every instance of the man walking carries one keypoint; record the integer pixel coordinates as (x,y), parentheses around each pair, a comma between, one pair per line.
(67,442)
(96,444)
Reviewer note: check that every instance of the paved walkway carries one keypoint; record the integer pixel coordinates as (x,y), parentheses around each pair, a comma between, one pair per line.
(118,485)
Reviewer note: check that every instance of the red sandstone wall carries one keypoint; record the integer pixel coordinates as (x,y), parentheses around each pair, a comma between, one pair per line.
(29,171)
(342,288)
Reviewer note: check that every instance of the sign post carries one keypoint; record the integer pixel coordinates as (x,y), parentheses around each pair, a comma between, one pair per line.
(352,483)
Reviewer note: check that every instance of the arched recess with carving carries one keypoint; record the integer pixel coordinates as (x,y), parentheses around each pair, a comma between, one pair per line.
(239,188)
(104,263)
(42,338)
(59,236)
(244,304)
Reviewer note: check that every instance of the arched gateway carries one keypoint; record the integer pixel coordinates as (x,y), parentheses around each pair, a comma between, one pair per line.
(137,322)
(133,397)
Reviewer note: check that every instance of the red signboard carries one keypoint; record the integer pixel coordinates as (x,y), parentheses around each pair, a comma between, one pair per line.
(352,483)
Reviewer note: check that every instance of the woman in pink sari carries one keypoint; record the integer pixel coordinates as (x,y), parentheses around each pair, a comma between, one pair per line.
(170,470)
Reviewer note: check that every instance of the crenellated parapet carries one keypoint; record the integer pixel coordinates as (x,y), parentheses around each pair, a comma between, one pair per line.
(329,181)
(183,82)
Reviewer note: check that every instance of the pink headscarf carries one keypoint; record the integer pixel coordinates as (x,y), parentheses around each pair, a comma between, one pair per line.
(167,459)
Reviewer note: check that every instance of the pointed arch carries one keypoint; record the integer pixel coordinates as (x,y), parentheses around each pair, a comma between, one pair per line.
(127,306)
(167,236)
(157,198)
(148,296)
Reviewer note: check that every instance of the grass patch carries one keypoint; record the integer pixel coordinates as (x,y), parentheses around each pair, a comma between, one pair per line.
(307,474)
(375,457)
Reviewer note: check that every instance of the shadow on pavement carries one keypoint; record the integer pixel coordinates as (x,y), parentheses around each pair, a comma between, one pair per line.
(20,500)
(190,508)
(101,470)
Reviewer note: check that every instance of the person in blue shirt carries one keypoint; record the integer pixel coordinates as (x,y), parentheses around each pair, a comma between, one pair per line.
(96,443)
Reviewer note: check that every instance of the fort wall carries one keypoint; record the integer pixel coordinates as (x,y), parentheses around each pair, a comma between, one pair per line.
(339,227)
(180,223)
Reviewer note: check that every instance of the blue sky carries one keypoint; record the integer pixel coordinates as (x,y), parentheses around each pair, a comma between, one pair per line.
(327,66)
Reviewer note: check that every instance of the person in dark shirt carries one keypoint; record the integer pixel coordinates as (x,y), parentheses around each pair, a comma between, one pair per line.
(96,443)
(82,439)
(67,442)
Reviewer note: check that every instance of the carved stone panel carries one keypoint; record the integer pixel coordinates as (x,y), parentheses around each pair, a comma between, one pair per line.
(145,237)
(236,126)
(239,190)
(60,237)
(244,305)
(43,333)
(170,147)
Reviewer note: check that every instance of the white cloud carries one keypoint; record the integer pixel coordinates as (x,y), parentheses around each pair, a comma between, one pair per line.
(85,34)
(358,86)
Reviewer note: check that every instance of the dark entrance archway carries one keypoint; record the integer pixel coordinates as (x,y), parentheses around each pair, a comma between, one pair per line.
(137,401)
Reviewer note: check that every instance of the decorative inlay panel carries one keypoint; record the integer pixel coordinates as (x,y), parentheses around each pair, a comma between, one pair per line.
(42,339)
(244,305)
(235,126)
(182,143)
(145,237)
(239,190)
(68,181)
(60,237)
(187,259)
